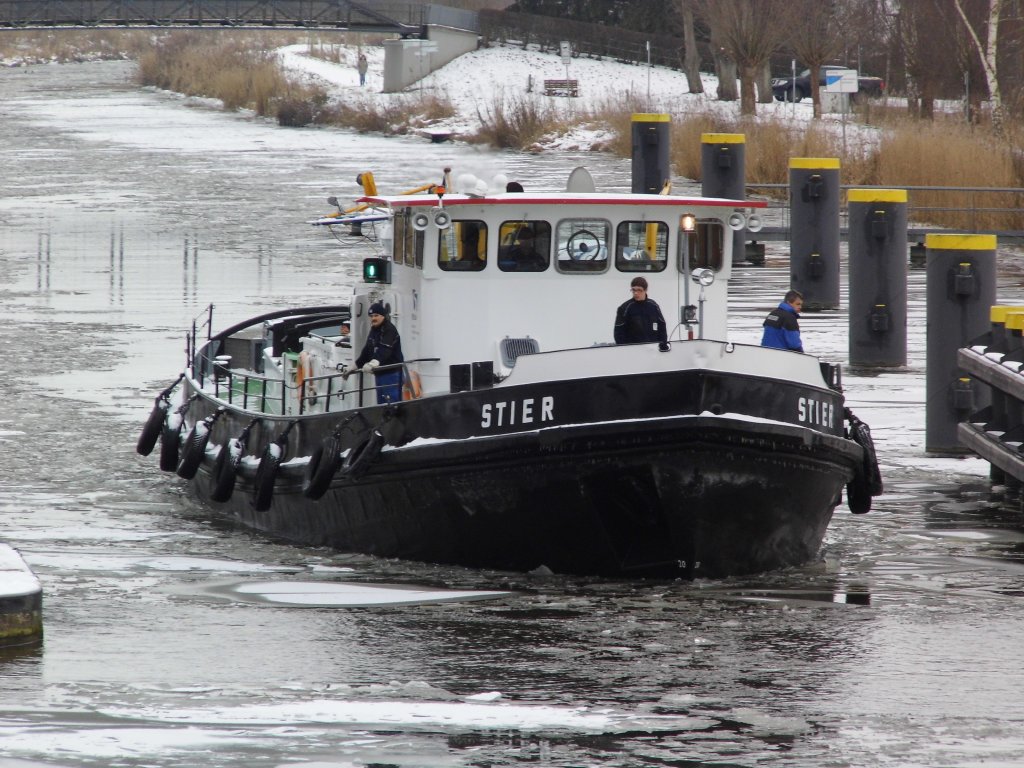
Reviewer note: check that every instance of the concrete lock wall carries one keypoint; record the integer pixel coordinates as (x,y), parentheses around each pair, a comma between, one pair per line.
(961,289)
(651,135)
(814,198)
(407,61)
(878,276)
(723,174)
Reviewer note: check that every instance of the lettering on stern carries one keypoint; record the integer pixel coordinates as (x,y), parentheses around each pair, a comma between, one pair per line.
(818,413)
(515,413)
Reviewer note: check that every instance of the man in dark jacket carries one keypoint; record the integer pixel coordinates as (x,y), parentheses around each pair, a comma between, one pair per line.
(383,347)
(781,329)
(640,320)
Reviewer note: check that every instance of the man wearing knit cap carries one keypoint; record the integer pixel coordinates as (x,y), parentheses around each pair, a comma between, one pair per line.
(383,348)
(640,320)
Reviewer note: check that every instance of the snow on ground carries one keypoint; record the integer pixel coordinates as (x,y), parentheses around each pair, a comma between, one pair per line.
(476,82)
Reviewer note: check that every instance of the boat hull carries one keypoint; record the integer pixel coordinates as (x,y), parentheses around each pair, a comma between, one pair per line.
(690,496)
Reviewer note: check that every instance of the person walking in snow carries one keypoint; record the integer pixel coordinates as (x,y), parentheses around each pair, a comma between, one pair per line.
(361,66)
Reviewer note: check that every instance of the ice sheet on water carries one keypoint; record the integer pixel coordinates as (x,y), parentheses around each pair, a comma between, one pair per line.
(422,715)
(105,562)
(112,743)
(346,594)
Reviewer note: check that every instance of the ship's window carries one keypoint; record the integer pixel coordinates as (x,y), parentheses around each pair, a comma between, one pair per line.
(705,246)
(641,246)
(463,246)
(400,225)
(408,242)
(583,245)
(417,246)
(524,246)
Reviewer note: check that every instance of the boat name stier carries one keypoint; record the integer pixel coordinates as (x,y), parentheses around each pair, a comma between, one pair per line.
(529,410)
(818,412)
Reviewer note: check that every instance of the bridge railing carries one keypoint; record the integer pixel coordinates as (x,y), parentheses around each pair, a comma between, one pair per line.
(405,18)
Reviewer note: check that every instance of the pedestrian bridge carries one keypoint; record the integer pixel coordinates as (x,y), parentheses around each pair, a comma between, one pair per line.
(407,19)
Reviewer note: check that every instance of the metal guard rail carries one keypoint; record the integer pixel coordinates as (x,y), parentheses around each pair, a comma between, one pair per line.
(237,385)
(781,202)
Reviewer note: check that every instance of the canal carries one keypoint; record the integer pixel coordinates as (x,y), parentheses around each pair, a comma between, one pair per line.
(174,639)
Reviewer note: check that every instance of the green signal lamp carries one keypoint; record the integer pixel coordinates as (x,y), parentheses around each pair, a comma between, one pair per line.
(376,270)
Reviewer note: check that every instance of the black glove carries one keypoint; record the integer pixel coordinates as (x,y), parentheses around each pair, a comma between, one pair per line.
(664,346)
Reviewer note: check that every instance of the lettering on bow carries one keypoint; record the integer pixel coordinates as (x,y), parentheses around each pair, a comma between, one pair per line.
(510,413)
(820,413)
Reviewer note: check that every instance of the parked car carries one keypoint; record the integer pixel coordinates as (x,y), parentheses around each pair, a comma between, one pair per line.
(786,89)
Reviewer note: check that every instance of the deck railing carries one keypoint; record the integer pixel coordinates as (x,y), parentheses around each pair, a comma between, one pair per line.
(266,394)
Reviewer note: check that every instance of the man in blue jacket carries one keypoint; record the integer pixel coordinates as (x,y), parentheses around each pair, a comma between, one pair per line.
(781,329)
(640,320)
(383,347)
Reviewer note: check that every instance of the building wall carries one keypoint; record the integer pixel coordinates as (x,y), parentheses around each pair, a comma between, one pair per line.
(407,61)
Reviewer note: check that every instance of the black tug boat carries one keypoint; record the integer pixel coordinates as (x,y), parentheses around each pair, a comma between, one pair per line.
(524,437)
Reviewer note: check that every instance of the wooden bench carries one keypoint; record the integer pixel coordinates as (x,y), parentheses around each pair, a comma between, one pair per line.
(561,87)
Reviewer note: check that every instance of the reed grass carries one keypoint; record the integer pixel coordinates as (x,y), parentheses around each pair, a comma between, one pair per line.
(239,69)
(63,46)
(516,122)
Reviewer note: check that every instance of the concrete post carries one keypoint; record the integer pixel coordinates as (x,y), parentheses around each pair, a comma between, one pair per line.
(961,289)
(723,174)
(878,276)
(814,234)
(651,143)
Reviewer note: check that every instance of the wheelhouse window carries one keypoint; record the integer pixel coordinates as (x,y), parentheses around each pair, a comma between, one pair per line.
(463,246)
(641,246)
(524,246)
(408,242)
(704,247)
(583,245)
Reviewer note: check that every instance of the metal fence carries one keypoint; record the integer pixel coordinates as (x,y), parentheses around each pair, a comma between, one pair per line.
(974,210)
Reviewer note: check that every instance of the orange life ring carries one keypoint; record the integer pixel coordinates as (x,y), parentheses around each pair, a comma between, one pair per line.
(304,371)
(412,387)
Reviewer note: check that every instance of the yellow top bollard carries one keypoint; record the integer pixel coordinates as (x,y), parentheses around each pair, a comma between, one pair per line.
(723,138)
(876,196)
(946,242)
(814,162)
(651,117)
(999,312)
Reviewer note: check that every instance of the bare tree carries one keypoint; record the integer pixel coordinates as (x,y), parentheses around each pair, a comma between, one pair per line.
(691,59)
(816,37)
(748,32)
(987,51)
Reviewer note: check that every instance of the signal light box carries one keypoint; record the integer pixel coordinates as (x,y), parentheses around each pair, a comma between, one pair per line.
(376,270)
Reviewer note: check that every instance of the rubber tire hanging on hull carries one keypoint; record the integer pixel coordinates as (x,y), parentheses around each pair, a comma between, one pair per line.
(170,446)
(194,451)
(362,456)
(323,466)
(867,479)
(225,470)
(266,474)
(154,425)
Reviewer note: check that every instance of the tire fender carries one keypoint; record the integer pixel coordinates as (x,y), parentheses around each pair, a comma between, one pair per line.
(170,442)
(359,459)
(266,475)
(322,467)
(194,450)
(153,427)
(225,469)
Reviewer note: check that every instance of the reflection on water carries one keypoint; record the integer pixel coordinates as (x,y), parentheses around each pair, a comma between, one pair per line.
(899,648)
